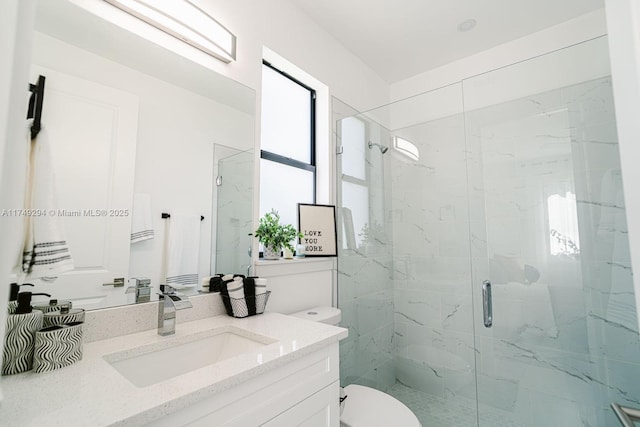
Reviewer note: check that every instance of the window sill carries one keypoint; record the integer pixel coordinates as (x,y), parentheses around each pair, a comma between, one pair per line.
(262,261)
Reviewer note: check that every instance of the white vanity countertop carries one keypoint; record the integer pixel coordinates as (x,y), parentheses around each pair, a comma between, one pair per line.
(92,393)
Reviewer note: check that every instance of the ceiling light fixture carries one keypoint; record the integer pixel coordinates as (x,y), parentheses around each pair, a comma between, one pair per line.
(467,25)
(184,21)
(407,148)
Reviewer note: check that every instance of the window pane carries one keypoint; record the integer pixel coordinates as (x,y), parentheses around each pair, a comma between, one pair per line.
(282,188)
(356,198)
(353,144)
(286,116)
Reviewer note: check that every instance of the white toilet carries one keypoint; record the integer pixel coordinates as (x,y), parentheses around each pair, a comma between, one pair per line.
(364,406)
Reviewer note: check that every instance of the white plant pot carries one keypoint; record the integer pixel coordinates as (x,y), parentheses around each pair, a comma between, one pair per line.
(287,253)
(271,253)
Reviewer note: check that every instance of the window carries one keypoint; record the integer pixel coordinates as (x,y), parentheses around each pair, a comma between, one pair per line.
(355,187)
(362,190)
(564,236)
(287,155)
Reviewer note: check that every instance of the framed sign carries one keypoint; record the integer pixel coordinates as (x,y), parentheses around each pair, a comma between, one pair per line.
(318,225)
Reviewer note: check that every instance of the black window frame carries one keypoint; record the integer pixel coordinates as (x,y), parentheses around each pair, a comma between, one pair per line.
(287,161)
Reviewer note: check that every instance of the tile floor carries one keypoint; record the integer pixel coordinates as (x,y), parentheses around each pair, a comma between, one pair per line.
(434,411)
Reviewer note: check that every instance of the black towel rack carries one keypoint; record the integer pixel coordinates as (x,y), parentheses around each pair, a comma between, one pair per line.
(35,105)
(166,215)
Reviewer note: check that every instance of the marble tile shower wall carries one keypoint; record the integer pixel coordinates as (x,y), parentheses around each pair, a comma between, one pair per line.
(433,311)
(564,343)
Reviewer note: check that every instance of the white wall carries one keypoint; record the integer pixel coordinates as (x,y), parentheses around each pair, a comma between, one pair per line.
(623,21)
(296,285)
(16,21)
(577,30)
(579,63)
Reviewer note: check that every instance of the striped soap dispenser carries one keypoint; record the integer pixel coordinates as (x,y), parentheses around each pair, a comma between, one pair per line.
(13,296)
(21,327)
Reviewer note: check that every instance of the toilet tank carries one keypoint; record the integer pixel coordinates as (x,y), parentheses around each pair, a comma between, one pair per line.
(328,315)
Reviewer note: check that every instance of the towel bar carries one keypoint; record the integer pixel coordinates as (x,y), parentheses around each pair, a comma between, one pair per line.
(166,215)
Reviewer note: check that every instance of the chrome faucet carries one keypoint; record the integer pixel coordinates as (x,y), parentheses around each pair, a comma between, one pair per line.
(170,302)
(142,289)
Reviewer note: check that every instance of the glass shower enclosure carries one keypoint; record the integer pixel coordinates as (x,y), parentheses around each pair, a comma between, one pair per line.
(484,271)
(233,205)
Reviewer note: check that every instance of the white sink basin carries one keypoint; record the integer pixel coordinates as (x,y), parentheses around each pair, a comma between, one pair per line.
(172,357)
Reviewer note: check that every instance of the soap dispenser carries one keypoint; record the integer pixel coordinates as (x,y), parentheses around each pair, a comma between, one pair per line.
(52,305)
(17,354)
(13,296)
(65,314)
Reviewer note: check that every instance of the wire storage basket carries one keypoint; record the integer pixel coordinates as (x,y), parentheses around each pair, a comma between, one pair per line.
(244,307)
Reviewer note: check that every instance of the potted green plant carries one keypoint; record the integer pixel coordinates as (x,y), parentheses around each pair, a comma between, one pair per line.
(274,235)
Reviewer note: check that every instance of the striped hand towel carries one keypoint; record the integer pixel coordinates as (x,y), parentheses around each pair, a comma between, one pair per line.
(141,222)
(46,253)
(183,251)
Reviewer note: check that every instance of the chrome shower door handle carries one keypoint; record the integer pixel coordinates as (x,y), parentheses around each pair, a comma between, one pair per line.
(487,307)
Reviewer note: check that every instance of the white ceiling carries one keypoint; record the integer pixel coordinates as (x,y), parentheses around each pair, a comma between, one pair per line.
(401,38)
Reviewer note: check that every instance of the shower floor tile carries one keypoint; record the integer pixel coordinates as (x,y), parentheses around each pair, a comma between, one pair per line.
(434,411)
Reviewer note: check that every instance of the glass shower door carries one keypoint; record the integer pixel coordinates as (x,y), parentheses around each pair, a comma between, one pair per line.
(365,293)
(548,231)
(233,176)
(404,270)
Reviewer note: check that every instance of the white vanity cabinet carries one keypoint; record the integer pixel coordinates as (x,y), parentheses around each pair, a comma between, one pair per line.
(292,380)
(305,392)
(317,410)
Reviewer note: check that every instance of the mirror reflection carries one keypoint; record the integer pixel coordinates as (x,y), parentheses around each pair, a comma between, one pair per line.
(129,120)
(233,170)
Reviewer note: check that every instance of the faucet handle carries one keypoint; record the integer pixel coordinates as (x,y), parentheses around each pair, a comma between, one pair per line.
(167,289)
(177,302)
(170,296)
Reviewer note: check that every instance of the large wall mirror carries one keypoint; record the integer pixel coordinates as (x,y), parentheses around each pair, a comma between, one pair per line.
(127,119)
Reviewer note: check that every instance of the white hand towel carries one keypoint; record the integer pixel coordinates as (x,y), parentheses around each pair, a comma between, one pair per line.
(261,285)
(141,222)
(238,303)
(236,288)
(183,251)
(261,294)
(46,252)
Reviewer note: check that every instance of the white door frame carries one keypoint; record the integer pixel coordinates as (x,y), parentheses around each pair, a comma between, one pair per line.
(16,31)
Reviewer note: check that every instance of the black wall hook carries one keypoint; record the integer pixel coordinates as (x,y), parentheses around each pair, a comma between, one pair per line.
(35,105)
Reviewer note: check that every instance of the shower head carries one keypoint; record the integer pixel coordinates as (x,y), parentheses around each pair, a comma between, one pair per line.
(383,148)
